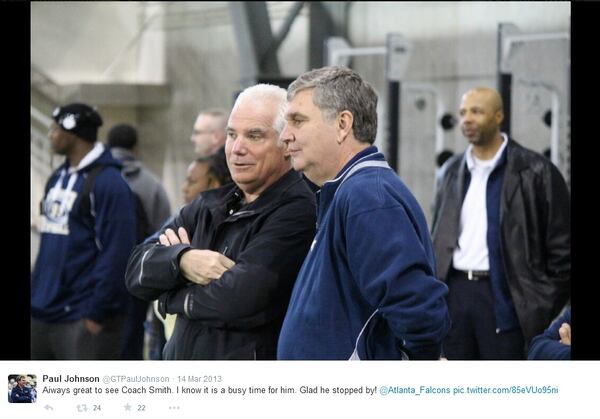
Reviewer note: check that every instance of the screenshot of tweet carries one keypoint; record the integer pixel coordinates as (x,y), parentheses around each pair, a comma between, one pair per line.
(318,389)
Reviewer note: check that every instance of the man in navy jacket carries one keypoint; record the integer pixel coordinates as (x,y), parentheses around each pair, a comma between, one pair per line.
(367,288)
(78,295)
(21,393)
(555,342)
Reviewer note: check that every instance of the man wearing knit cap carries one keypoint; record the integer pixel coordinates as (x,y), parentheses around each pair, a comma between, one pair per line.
(78,295)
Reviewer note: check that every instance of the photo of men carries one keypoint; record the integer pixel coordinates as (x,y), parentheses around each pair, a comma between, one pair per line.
(21,388)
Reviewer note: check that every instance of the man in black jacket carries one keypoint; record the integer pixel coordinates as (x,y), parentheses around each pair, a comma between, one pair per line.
(502,237)
(227,263)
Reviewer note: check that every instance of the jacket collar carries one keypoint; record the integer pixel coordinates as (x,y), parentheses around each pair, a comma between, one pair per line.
(495,161)
(369,153)
(515,164)
(325,194)
(276,190)
(270,196)
(91,157)
(131,165)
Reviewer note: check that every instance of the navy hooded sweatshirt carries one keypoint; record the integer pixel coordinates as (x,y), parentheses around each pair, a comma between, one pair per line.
(80,269)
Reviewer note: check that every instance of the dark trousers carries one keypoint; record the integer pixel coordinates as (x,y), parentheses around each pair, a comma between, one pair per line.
(72,341)
(473,334)
(133,335)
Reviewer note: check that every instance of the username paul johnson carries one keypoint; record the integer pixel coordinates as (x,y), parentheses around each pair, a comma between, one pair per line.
(70,379)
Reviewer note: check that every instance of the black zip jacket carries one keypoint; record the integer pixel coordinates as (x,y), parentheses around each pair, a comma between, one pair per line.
(238,316)
(535,233)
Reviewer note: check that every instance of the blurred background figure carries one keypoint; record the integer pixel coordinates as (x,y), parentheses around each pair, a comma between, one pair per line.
(123,142)
(11,384)
(502,236)
(205,173)
(88,228)
(153,209)
(208,134)
(555,342)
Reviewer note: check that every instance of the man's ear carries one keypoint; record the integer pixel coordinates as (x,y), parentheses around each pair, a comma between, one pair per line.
(344,123)
(499,117)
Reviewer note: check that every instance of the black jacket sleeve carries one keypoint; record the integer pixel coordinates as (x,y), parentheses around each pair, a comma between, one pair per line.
(558,225)
(153,268)
(262,278)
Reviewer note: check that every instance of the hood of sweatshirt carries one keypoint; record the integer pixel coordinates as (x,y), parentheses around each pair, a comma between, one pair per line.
(98,155)
(131,165)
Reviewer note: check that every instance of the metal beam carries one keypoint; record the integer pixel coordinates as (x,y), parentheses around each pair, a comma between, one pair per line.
(504,75)
(284,30)
(508,36)
(254,37)
(440,110)
(399,50)
(393,145)
(327,19)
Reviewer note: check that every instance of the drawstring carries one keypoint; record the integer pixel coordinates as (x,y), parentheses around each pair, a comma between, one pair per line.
(354,356)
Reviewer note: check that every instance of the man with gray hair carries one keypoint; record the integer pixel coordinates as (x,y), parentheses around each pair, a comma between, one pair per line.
(367,288)
(208,134)
(227,263)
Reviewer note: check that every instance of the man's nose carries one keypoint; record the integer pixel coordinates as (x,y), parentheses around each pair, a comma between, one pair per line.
(466,117)
(286,135)
(239,146)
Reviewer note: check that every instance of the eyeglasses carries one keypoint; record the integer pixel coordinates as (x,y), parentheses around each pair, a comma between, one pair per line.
(203,132)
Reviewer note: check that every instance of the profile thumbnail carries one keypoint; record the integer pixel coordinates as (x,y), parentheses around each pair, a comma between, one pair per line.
(22,388)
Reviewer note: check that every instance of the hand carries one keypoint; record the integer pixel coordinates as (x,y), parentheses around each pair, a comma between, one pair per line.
(199,266)
(565,334)
(204,266)
(169,238)
(92,327)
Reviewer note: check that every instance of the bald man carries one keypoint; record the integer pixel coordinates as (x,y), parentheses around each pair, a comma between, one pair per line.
(502,237)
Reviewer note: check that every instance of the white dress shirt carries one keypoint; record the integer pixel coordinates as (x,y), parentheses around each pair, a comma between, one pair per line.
(472,251)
